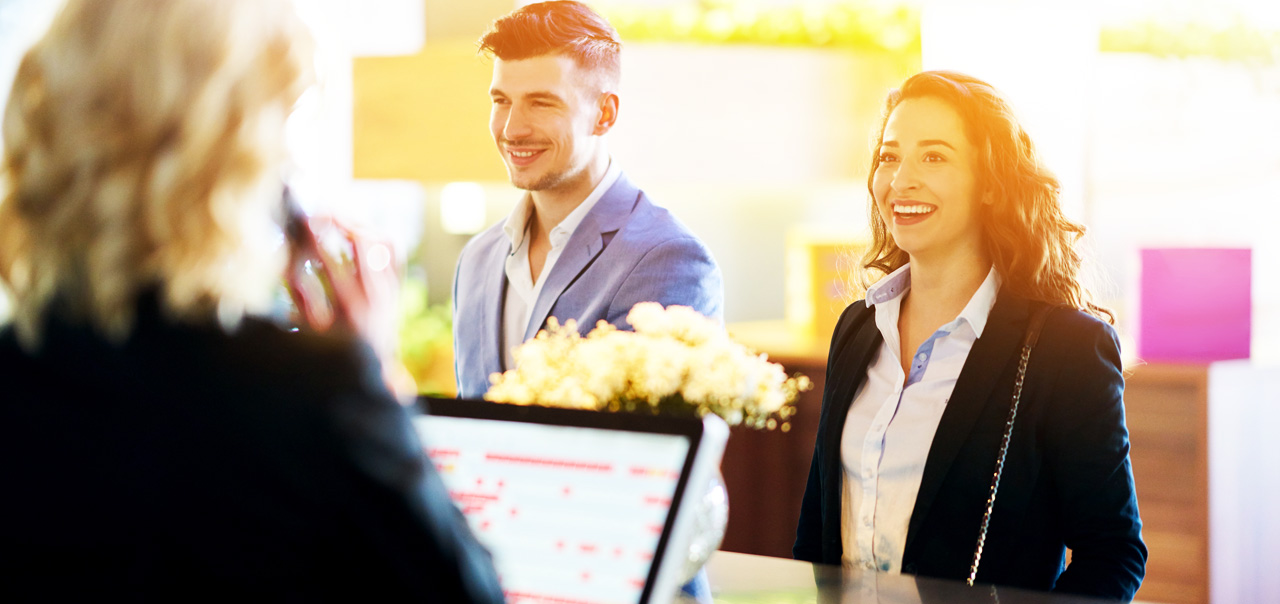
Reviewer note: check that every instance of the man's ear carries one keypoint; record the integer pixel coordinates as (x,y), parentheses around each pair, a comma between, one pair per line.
(608,116)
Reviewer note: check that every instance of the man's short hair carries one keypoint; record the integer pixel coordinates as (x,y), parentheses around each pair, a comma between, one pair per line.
(558,27)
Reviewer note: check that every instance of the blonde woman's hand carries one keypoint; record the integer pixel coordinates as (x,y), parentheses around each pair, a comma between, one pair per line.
(358,293)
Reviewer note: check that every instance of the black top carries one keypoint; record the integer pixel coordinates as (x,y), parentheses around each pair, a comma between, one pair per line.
(1067,481)
(193,462)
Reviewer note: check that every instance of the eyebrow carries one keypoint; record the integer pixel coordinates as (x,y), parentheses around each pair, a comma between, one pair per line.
(924,143)
(540,95)
(544,96)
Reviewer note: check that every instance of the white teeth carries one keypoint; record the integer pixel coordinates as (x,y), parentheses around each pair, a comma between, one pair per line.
(523,153)
(912,209)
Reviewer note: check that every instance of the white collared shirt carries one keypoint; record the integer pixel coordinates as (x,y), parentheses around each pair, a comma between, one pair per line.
(890,428)
(522,292)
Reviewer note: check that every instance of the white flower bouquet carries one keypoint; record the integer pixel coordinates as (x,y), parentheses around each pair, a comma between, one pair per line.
(676,361)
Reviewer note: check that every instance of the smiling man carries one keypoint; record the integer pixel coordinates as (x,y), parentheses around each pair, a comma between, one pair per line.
(583,243)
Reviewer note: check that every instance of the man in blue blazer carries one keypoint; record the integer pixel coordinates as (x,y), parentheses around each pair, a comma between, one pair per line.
(584,243)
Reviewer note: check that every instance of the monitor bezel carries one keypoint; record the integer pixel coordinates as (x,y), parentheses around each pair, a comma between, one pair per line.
(690,428)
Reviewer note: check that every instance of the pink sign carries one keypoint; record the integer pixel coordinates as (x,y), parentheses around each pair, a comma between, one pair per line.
(1196,304)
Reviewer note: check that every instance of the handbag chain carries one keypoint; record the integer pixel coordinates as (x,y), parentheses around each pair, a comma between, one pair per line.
(1033,334)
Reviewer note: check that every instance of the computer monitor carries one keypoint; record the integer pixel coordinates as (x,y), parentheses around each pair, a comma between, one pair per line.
(576,506)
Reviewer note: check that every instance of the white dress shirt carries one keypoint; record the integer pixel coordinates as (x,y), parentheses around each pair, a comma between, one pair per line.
(890,428)
(522,292)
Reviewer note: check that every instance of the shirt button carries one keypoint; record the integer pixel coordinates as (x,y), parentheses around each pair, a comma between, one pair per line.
(871,566)
(921,357)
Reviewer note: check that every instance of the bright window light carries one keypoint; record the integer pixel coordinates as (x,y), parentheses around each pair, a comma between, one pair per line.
(462,208)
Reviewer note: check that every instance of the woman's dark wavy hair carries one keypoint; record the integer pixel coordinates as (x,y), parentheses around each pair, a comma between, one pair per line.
(558,27)
(1028,238)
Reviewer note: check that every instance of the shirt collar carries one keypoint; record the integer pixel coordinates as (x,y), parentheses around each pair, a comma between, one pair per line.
(891,286)
(518,220)
(978,310)
(517,223)
(975,313)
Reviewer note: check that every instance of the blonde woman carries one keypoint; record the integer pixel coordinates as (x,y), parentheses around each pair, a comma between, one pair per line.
(919,412)
(155,439)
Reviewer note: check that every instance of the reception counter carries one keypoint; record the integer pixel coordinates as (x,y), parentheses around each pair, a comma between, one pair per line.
(749,579)
(1204,460)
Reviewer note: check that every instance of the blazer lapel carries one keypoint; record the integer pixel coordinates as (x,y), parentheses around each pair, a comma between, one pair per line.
(851,360)
(494,269)
(990,354)
(586,242)
(850,357)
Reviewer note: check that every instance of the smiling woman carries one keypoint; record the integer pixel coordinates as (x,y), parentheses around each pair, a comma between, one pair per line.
(1026,235)
(924,185)
(934,403)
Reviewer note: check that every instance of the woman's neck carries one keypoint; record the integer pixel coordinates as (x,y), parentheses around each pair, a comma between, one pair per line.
(942,286)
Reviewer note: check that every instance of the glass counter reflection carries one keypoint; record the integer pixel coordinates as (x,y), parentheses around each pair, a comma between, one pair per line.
(748,579)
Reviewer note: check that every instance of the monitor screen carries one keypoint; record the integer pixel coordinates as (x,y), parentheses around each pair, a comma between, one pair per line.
(571,514)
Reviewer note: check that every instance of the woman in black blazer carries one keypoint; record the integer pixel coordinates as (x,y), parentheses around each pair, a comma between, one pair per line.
(969,231)
(157,441)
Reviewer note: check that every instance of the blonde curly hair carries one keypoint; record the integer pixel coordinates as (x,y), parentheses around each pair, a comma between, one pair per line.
(143,141)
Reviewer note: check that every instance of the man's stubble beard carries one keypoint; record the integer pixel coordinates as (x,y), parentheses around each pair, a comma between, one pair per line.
(547,181)
(551,180)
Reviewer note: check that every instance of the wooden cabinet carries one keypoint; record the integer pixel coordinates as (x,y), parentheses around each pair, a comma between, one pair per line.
(765,474)
(1167,412)
(765,471)
(1194,430)
(1206,461)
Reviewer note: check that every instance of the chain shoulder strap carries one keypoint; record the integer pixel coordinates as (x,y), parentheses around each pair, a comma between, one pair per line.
(1029,342)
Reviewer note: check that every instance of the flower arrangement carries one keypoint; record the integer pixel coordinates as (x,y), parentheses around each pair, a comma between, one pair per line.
(676,361)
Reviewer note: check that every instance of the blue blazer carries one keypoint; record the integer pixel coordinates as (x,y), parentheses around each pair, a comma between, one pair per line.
(1067,480)
(626,250)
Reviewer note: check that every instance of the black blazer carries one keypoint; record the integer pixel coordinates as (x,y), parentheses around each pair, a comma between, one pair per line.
(192,462)
(1066,481)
